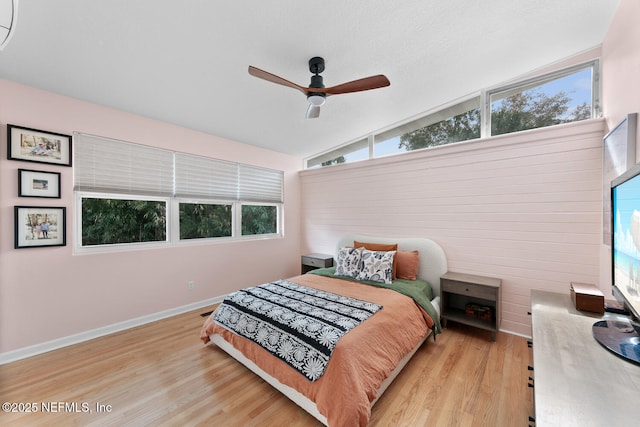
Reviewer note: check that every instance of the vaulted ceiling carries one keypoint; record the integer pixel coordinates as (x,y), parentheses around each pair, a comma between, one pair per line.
(186,62)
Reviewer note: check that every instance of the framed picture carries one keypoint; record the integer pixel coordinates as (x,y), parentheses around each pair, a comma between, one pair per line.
(38,184)
(33,145)
(40,226)
(619,154)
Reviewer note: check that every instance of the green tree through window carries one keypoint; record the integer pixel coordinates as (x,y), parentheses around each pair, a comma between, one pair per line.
(200,220)
(110,221)
(462,127)
(258,219)
(528,109)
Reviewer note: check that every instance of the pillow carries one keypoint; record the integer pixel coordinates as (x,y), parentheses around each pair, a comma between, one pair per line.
(348,262)
(407,265)
(377,266)
(379,247)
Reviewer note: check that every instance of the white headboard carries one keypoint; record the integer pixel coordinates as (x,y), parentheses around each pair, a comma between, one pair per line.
(433,262)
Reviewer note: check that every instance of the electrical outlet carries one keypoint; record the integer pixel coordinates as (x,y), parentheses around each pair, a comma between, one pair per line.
(191,285)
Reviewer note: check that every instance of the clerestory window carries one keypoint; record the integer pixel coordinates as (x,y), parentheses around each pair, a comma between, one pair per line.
(563,96)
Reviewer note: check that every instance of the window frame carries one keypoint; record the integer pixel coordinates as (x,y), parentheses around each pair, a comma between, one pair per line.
(362,144)
(447,112)
(106,168)
(279,221)
(175,220)
(530,83)
(173,223)
(80,248)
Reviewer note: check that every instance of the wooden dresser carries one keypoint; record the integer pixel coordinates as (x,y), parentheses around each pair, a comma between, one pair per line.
(577,382)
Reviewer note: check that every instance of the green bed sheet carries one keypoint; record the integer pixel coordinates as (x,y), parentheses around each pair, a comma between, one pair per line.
(419,290)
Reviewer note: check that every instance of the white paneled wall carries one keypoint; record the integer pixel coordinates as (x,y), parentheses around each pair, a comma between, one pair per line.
(524,207)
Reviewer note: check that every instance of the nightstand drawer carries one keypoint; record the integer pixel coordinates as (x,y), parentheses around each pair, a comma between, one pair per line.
(315,262)
(469,289)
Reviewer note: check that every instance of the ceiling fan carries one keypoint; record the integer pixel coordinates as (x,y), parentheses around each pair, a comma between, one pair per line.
(316,92)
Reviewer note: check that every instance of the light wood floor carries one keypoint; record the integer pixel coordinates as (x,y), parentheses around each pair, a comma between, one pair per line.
(161,374)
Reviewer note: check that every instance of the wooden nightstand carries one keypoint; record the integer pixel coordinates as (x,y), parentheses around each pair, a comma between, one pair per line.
(460,292)
(313,261)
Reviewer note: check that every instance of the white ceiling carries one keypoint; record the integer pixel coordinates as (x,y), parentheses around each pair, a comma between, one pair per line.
(185,62)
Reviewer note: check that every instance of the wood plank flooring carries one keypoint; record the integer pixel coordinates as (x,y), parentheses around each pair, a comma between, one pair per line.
(161,374)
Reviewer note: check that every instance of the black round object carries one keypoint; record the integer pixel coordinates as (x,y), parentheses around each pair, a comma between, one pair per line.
(316,82)
(619,336)
(316,65)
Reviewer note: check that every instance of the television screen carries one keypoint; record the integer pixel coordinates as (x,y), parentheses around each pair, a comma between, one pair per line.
(625,248)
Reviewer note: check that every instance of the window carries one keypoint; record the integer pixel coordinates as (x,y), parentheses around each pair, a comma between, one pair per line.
(563,96)
(109,221)
(460,122)
(259,219)
(349,153)
(205,220)
(129,194)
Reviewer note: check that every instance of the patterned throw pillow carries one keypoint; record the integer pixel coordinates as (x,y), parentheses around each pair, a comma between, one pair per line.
(380,247)
(348,262)
(377,266)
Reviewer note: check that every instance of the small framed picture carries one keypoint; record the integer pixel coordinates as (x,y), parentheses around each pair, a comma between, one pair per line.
(33,145)
(40,226)
(38,184)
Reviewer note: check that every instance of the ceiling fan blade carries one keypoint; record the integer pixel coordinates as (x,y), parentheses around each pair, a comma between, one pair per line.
(313,111)
(367,83)
(265,75)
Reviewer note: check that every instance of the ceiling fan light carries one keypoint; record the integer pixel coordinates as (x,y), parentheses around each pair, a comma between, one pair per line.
(316,99)
(313,112)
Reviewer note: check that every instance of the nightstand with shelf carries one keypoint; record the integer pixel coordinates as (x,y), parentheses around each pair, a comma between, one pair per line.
(458,291)
(314,261)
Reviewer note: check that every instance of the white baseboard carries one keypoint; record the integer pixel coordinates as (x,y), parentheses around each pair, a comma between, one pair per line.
(23,353)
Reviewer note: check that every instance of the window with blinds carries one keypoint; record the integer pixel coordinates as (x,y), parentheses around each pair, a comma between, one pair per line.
(203,177)
(111,166)
(129,193)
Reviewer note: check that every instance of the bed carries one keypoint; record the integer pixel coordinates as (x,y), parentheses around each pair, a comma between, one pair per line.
(368,358)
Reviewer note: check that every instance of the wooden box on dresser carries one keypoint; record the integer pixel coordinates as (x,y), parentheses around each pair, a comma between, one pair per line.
(577,382)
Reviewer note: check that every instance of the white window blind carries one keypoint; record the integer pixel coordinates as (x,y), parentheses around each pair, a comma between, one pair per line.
(259,184)
(111,166)
(202,177)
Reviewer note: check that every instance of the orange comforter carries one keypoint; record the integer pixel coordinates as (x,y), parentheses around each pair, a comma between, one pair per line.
(362,359)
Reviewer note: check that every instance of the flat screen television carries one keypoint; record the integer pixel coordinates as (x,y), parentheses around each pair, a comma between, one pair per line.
(622,336)
(625,245)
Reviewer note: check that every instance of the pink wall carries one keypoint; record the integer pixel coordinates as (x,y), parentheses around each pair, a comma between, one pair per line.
(49,293)
(620,83)
(621,66)
(522,207)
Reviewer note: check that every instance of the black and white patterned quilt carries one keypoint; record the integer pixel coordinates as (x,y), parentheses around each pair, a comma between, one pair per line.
(295,323)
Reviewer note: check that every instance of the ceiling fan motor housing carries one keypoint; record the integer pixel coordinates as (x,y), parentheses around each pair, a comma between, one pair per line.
(316,65)
(316,82)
